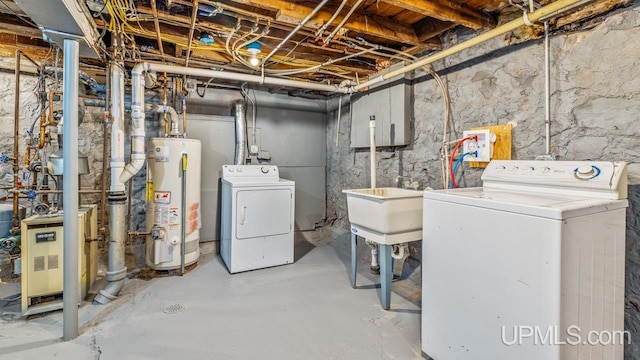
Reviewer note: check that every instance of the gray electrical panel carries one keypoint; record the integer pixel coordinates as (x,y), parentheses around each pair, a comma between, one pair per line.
(390,103)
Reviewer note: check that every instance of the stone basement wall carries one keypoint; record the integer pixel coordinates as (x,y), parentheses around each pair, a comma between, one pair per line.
(595,111)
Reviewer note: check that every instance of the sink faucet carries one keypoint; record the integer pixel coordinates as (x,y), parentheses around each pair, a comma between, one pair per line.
(408,183)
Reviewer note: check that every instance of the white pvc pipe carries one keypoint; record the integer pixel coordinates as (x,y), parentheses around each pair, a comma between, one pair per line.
(400,253)
(372,149)
(137,133)
(117,127)
(71,251)
(547,90)
(226,75)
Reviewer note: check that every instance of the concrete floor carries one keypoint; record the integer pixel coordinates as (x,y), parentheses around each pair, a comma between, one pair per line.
(307,310)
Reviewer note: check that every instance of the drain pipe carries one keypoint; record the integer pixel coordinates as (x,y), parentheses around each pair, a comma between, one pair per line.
(241,132)
(547,89)
(544,13)
(226,75)
(375,266)
(117,198)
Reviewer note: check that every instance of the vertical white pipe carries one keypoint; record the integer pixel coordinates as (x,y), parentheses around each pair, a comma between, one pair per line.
(547,89)
(117,126)
(372,149)
(71,252)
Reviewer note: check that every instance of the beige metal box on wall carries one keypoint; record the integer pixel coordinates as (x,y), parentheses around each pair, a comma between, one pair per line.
(43,262)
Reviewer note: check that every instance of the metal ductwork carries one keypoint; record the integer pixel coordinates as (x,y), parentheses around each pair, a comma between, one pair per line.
(241,132)
(64,19)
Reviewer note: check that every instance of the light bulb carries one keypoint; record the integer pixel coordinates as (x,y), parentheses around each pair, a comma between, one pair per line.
(254,60)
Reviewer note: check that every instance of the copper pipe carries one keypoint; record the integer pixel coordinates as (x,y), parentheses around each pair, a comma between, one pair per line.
(164,102)
(27,156)
(16,132)
(81,192)
(154,8)
(194,16)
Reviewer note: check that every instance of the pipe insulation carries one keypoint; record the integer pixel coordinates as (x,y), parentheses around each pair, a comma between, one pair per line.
(542,14)
(241,132)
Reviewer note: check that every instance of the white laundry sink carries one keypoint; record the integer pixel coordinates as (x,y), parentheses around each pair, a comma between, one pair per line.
(385,211)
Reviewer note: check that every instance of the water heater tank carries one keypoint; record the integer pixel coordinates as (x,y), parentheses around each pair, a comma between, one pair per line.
(164,202)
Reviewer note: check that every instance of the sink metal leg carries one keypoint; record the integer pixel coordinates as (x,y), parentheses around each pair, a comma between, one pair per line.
(386,273)
(354,246)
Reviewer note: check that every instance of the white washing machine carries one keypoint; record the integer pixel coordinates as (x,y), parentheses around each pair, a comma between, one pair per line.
(528,267)
(257,217)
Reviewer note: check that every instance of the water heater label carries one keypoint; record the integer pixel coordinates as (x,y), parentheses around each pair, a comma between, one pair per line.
(161,215)
(46,237)
(162,197)
(162,154)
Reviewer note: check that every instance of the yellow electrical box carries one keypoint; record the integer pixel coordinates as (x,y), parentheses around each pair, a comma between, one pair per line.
(43,261)
(501,147)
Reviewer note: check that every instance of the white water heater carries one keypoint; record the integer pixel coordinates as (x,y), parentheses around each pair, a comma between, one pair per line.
(173,170)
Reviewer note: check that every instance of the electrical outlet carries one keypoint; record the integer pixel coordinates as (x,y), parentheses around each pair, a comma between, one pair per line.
(479,147)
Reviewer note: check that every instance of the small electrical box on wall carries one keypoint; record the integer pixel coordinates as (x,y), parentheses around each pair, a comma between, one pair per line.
(493,143)
(390,103)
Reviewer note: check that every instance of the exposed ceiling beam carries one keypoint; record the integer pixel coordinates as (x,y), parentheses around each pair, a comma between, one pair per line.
(373,25)
(446,10)
(427,29)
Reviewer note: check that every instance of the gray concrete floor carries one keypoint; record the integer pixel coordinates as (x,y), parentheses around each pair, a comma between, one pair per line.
(306,310)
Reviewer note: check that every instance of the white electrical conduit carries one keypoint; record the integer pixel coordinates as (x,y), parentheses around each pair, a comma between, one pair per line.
(541,14)
(335,15)
(344,20)
(233,31)
(295,30)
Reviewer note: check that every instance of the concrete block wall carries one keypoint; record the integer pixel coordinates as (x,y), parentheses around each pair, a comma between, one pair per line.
(595,109)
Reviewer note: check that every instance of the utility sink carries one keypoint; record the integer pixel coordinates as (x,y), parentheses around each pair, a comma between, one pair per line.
(384,211)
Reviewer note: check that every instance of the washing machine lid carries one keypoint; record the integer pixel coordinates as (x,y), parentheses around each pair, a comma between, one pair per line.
(550,206)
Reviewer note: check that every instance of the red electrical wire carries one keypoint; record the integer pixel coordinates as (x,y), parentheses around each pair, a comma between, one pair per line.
(453,153)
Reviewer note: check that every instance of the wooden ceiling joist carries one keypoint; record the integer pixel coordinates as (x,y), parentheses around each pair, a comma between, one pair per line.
(377,26)
(446,10)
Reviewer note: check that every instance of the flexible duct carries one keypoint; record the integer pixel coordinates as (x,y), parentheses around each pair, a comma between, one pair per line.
(241,132)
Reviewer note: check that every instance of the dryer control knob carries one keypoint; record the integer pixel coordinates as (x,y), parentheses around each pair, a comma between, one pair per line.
(264,169)
(586,170)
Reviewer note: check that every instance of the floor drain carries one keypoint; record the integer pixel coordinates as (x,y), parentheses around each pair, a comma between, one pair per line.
(173,309)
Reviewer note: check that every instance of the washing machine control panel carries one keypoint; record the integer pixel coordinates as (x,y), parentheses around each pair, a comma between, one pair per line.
(250,171)
(594,176)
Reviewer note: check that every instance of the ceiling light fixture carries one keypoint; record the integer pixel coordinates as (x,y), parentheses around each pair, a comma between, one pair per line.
(254,49)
